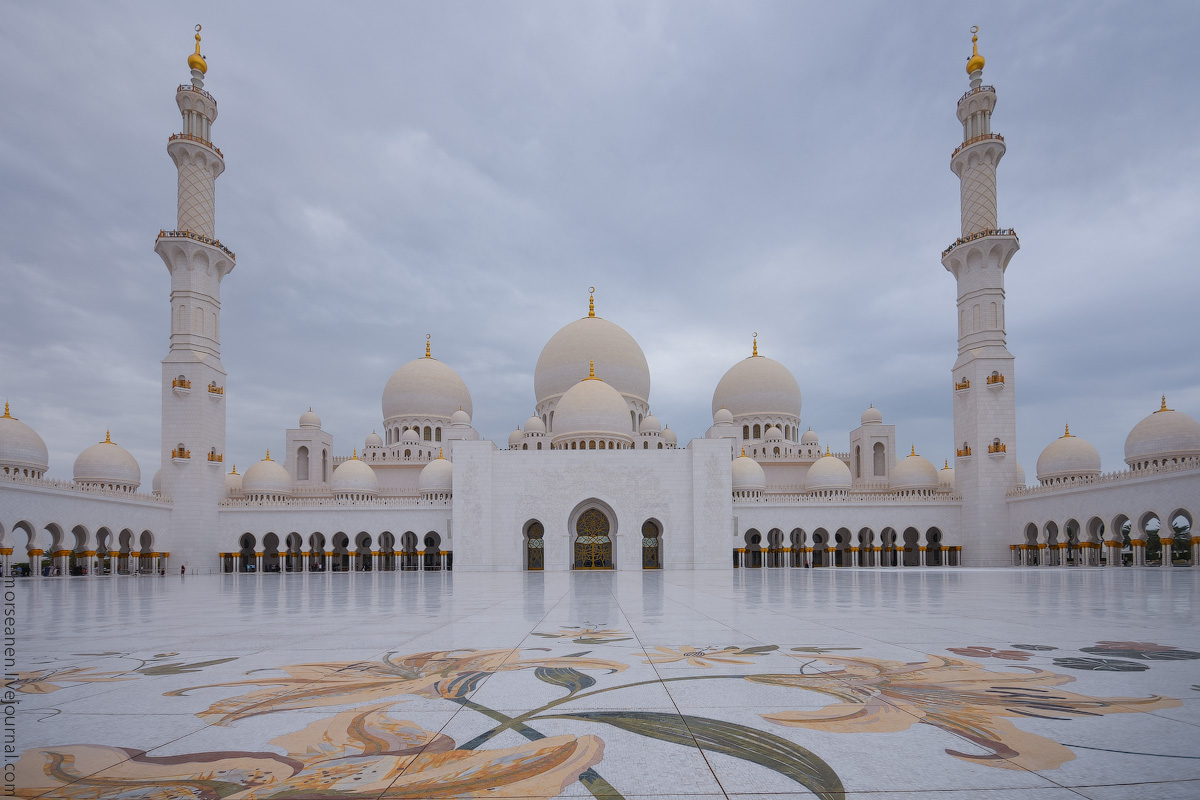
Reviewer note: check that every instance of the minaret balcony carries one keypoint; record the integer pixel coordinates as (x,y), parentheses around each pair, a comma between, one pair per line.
(216,458)
(995,381)
(973,140)
(997,449)
(216,392)
(962,386)
(187,87)
(191,138)
(967,94)
(181,386)
(980,235)
(180,456)
(964,452)
(185,234)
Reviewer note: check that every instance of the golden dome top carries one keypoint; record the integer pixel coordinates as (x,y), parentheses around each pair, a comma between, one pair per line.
(195,60)
(975,62)
(592,301)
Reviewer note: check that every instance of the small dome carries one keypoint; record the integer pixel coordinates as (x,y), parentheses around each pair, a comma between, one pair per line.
(617,356)
(872,416)
(1165,434)
(156,482)
(773,434)
(107,463)
(650,424)
(1068,457)
(355,477)
(233,483)
(437,476)
(748,476)
(373,440)
(946,477)
(722,416)
(758,385)
(534,425)
(809,437)
(20,446)
(514,438)
(267,477)
(914,472)
(669,437)
(589,407)
(410,436)
(309,419)
(460,417)
(425,387)
(827,473)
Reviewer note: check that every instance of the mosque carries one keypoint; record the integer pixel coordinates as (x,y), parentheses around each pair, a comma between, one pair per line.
(593,480)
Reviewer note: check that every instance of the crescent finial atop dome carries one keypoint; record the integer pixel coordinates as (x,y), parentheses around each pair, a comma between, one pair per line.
(975,62)
(195,60)
(591,301)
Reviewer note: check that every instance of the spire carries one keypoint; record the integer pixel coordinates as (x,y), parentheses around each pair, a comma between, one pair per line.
(355,456)
(913,452)
(268,458)
(743,452)
(591,371)
(234,470)
(591,301)
(755,353)
(440,453)
(947,464)
(1163,408)
(975,62)
(107,438)
(6,414)
(427,337)
(197,64)
(1066,430)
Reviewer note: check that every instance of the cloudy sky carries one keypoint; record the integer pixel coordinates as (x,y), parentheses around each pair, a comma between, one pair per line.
(468,170)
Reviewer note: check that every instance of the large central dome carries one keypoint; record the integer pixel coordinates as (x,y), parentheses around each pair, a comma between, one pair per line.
(565,358)
(425,387)
(758,385)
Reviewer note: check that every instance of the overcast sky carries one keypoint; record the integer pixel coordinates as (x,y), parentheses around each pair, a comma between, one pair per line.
(468,170)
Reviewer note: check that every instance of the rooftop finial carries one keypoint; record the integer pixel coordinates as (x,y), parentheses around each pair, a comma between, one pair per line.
(591,301)
(427,337)
(743,452)
(234,470)
(440,453)
(6,414)
(947,464)
(355,456)
(913,452)
(591,371)
(108,437)
(975,62)
(1164,406)
(1066,430)
(755,353)
(195,60)
(827,451)
(268,458)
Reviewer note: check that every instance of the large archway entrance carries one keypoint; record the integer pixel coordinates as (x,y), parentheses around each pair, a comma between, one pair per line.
(593,547)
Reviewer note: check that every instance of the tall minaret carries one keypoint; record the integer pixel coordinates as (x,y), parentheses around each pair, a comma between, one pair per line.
(985,428)
(193,390)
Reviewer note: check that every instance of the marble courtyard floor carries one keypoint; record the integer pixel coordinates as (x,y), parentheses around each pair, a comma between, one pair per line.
(1036,684)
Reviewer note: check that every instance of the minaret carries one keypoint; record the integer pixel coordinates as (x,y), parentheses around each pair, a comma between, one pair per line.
(193,390)
(985,431)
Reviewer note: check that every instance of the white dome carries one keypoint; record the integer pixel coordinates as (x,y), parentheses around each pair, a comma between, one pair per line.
(425,387)
(827,473)
(946,476)
(233,483)
(871,416)
(107,463)
(437,476)
(373,440)
(355,477)
(514,438)
(267,477)
(589,407)
(410,436)
(564,360)
(748,475)
(651,424)
(1020,476)
(914,472)
(669,437)
(309,419)
(156,482)
(535,425)
(773,434)
(20,446)
(1068,457)
(1165,434)
(809,437)
(460,417)
(722,416)
(758,385)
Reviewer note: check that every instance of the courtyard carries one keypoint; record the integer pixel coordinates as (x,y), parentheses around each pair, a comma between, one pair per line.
(1025,683)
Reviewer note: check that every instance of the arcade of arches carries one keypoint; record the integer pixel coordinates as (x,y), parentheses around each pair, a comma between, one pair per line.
(1143,540)
(844,548)
(340,552)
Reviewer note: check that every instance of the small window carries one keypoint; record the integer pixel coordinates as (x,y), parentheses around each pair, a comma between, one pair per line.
(757,431)
(746,432)
(428,433)
(437,434)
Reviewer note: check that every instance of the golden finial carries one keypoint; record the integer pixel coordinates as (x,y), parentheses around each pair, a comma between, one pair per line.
(355,456)
(591,371)
(755,353)
(591,301)
(234,470)
(268,458)
(743,452)
(947,464)
(440,452)
(975,62)
(10,416)
(1163,408)
(195,60)
(913,452)
(826,451)
(107,438)
(427,337)
(1066,430)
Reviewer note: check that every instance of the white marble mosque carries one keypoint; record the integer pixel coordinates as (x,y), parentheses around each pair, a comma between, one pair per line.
(593,480)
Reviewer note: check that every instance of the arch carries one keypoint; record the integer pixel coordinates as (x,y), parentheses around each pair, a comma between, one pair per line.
(362,552)
(593,539)
(1072,538)
(1180,523)
(324,465)
(1031,545)
(270,553)
(387,551)
(316,549)
(409,560)
(757,431)
(246,561)
(433,552)
(843,542)
(912,552)
(774,548)
(428,434)
(534,536)
(754,554)
(1150,526)
(1050,532)
(879,457)
(866,548)
(302,463)
(340,560)
(437,433)
(820,541)
(933,547)
(746,432)
(292,544)
(651,544)
(798,539)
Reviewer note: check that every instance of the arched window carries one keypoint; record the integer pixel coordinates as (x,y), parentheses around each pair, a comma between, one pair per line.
(437,434)
(573,446)
(550,427)
(428,433)
(539,445)
(525,446)
(645,445)
(880,466)
(746,432)
(633,423)
(302,464)
(757,431)
(660,445)
(857,461)
(592,444)
(408,453)
(651,556)
(325,465)
(776,452)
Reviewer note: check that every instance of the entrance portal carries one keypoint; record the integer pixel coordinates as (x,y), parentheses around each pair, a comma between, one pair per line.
(593,547)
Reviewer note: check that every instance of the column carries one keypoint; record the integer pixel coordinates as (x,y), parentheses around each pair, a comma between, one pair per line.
(258,564)
(1167,545)
(304,554)
(328,561)
(1139,552)
(921,559)
(6,554)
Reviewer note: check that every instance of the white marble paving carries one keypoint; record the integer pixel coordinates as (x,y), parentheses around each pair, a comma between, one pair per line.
(682,680)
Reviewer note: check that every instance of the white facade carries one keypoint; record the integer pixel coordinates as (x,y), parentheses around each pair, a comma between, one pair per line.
(594,479)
